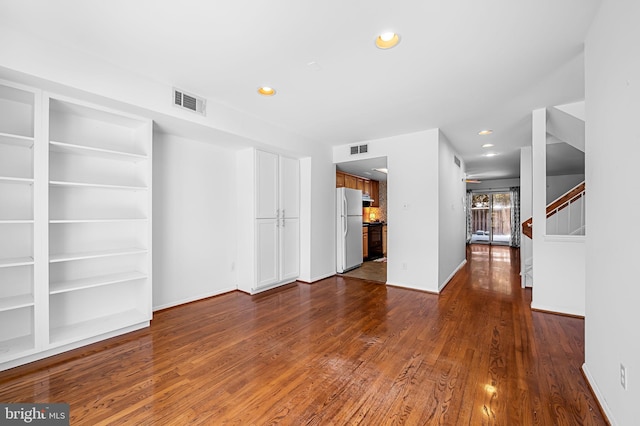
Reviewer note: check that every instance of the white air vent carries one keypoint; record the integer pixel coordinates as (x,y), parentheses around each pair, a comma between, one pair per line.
(359,149)
(190,102)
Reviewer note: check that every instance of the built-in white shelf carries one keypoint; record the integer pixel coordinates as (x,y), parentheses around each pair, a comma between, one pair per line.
(17,140)
(19,180)
(16,346)
(97,220)
(96,152)
(85,329)
(16,261)
(67,257)
(15,302)
(81,284)
(96,185)
(15,221)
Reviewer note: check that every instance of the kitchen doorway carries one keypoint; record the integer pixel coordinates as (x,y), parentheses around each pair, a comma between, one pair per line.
(490,218)
(369,175)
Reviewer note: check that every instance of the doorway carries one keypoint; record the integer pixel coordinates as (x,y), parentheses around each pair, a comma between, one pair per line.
(370,176)
(490,218)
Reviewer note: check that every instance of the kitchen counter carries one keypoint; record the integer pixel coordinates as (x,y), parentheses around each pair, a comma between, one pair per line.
(373,223)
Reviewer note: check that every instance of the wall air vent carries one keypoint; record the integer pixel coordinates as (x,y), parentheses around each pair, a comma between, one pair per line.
(456,160)
(359,149)
(190,102)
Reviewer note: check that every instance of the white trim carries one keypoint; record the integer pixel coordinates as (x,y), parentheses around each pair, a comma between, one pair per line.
(450,277)
(555,310)
(598,394)
(317,278)
(565,239)
(194,299)
(411,287)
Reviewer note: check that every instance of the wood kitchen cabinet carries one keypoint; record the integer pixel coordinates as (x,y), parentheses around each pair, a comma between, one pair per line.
(367,187)
(375,193)
(350,181)
(384,240)
(365,242)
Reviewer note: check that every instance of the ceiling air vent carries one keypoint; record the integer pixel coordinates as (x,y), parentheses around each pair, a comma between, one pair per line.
(190,102)
(456,160)
(359,149)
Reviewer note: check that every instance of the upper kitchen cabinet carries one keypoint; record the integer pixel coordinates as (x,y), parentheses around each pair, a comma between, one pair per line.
(368,186)
(375,193)
(269,211)
(350,181)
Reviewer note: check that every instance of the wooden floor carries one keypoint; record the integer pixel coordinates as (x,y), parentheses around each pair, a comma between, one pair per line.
(340,351)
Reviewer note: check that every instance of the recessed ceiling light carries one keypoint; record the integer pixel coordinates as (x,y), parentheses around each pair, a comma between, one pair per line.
(485,132)
(490,154)
(487,145)
(381,170)
(266,91)
(387,40)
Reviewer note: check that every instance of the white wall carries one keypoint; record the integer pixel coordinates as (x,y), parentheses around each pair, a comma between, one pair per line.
(526,198)
(322,239)
(612,153)
(412,207)
(452,228)
(194,229)
(558,261)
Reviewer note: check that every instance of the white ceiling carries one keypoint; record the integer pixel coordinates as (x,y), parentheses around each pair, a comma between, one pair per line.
(461,65)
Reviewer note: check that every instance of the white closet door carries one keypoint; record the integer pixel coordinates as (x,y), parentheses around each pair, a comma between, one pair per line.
(290,187)
(290,249)
(266,252)
(266,185)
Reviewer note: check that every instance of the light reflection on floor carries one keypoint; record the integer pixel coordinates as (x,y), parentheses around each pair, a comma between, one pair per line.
(490,267)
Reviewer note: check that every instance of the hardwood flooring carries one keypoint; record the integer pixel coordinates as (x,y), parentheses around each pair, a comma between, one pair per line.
(340,351)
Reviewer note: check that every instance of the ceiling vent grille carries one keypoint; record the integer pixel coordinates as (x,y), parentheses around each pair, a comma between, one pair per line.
(359,149)
(456,160)
(189,102)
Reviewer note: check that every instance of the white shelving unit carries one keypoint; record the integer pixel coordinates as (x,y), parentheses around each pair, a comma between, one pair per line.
(75,223)
(99,221)
(18,118)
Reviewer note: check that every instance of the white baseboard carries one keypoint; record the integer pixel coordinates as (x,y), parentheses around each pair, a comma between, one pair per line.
(596,391)
(450,277)
(317,278)
(411,287)
(194,298)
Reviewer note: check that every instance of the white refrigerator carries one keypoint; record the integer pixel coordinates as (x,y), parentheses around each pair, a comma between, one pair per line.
(349,229)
